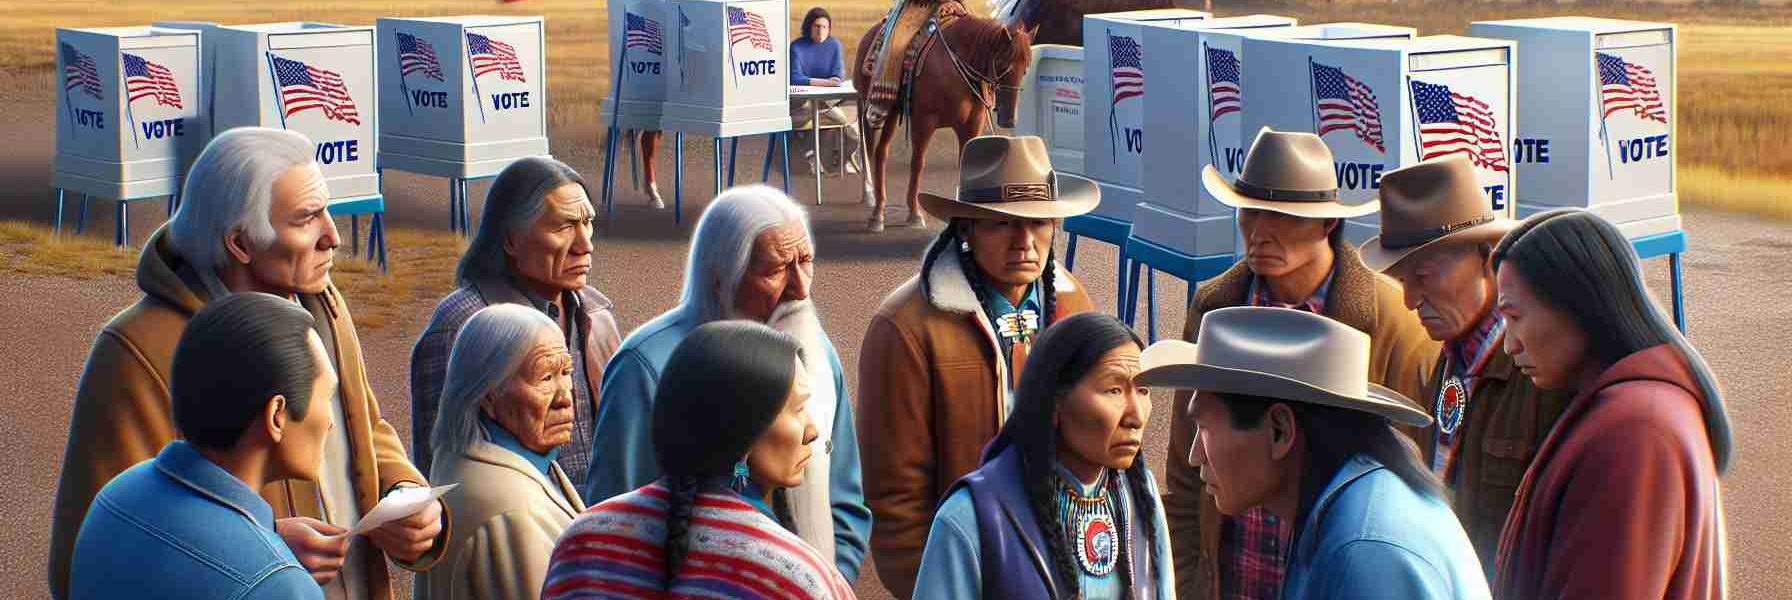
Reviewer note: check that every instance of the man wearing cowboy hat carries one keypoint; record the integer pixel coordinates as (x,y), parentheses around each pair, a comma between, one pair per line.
(1287,422)
(939,362)
(1437,236)
(1289,220)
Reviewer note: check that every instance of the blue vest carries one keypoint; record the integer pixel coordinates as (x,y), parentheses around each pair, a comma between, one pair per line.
(1016,560)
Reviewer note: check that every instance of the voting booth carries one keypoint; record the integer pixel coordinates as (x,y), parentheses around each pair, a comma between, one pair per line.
(130,113)
(1384,104)
(1596,118)
(639,62)
(461,97)
(1114,79)
(1051,104)
(1178,213)
(728,73)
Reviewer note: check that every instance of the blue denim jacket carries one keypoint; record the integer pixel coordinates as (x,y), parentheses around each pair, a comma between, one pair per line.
(180,526)
(1370,535)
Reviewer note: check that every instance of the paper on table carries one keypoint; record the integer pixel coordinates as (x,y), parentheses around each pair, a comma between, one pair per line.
(403,502)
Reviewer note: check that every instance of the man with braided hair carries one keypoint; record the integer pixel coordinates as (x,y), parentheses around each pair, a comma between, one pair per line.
(945,350)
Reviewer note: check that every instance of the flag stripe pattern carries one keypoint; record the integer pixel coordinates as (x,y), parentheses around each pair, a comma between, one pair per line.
(79,71)
(1126,60)
(1224,90)
(1345,103)
(304,87)
(417,56)
(748,26)
(1627,85)
(493,56)
(643,33)
(145,78)
(1453,123)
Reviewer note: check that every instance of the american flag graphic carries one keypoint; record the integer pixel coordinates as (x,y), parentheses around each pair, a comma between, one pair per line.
(304,87)
(417,56)
(1453,123)
(1223,87)
(1128,71)
(1627,85)
(491,55)
(745,25)
(148,79)
(643,33)
(79,71)
(1344,103)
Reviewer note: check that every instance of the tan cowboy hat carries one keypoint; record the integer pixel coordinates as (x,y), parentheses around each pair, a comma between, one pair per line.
(1005,176)
(1286,172)
(1278,353)
(1433,203)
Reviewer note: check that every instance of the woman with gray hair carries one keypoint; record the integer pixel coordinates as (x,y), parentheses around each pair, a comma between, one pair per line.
(506,408)
(533,248)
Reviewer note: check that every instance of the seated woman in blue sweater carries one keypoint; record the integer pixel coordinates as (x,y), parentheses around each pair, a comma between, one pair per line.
(818,59)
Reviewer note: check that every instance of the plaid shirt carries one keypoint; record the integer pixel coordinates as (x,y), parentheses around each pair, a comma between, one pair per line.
(1463,357)
(1253,547)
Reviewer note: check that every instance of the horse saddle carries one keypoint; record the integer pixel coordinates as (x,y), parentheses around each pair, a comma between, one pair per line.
(895,52)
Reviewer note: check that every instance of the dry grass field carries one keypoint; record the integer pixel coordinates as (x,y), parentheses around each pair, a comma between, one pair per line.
(1735,84)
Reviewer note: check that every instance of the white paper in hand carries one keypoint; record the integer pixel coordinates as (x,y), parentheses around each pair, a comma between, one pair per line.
(403,502)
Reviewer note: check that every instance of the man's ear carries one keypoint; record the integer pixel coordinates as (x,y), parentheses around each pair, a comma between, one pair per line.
(1282,431)
(237,244)
(274,418)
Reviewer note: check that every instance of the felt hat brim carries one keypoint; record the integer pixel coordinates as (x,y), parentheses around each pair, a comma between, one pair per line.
(1382,258)
(1173,365)
(1216,184)
(1076,196)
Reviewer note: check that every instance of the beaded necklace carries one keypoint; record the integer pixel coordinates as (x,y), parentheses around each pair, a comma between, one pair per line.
(1095,528)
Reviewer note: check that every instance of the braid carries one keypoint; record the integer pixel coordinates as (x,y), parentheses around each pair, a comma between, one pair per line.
(1043,493)
(1048,289)
(1142,506)
(968,264)
(678,521)
(947,239)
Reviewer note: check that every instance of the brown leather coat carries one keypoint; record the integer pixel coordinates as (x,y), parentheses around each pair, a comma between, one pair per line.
(932,393)
(122,414)
(1507,419)
(1401,357)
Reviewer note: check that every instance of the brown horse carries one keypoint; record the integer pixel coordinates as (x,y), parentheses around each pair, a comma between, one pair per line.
(975,67)
(1061,21)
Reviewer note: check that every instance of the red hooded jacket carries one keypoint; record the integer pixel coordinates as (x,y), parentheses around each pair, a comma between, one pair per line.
(1622,500)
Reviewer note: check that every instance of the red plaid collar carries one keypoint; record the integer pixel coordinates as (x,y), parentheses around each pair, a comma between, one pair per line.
(1469,353)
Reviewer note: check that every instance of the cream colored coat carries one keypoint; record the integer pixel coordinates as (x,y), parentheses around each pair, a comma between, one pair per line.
(507,518)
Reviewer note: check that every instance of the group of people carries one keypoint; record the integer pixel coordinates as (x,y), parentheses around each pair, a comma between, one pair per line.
(1464,407)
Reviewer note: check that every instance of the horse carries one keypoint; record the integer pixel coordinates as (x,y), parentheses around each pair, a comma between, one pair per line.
(1061,21)
(975,67)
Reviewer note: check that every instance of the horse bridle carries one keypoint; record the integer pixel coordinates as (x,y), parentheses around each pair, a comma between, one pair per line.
(978,82)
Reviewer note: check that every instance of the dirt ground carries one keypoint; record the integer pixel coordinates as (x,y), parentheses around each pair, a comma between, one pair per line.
(1735,273)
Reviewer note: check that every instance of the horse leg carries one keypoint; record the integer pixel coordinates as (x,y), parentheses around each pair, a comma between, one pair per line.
(880,161)
(920,132)
(650,142)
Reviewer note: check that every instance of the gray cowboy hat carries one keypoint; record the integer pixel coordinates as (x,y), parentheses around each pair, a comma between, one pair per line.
(1278,353)
(1432,204)
(1289,173)
(1002,176)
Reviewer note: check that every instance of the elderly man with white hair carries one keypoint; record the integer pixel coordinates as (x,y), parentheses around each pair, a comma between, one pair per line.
(255,219)
(752,257)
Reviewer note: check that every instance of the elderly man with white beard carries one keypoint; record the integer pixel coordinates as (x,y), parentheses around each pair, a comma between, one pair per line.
(752,257)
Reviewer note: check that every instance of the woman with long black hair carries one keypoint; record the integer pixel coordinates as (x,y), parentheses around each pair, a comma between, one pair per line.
(1623,499)
(730,433)
(1062,506)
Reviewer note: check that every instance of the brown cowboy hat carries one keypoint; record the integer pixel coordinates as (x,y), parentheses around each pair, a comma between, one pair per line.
(1004,176)
(1431,204)
(1286,172)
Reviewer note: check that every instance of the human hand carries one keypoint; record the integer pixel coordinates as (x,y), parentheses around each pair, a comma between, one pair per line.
(319,546)
(409,538)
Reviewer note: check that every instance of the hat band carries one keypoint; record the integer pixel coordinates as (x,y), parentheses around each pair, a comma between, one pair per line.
(1267,193)
(1010,192)
(1403,239)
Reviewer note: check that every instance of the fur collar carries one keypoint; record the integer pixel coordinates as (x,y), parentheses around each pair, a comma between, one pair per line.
(949,290)
(1350,301)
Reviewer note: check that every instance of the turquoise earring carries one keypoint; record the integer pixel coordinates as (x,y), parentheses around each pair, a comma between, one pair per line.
(739,483)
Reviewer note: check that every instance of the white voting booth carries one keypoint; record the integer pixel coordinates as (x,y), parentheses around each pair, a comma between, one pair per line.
(728,73)
(1206,116)
(1596,118)
(461,97)
(130,113)
(1115,86)
(639,62)
(1384,104)
(1051,104)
